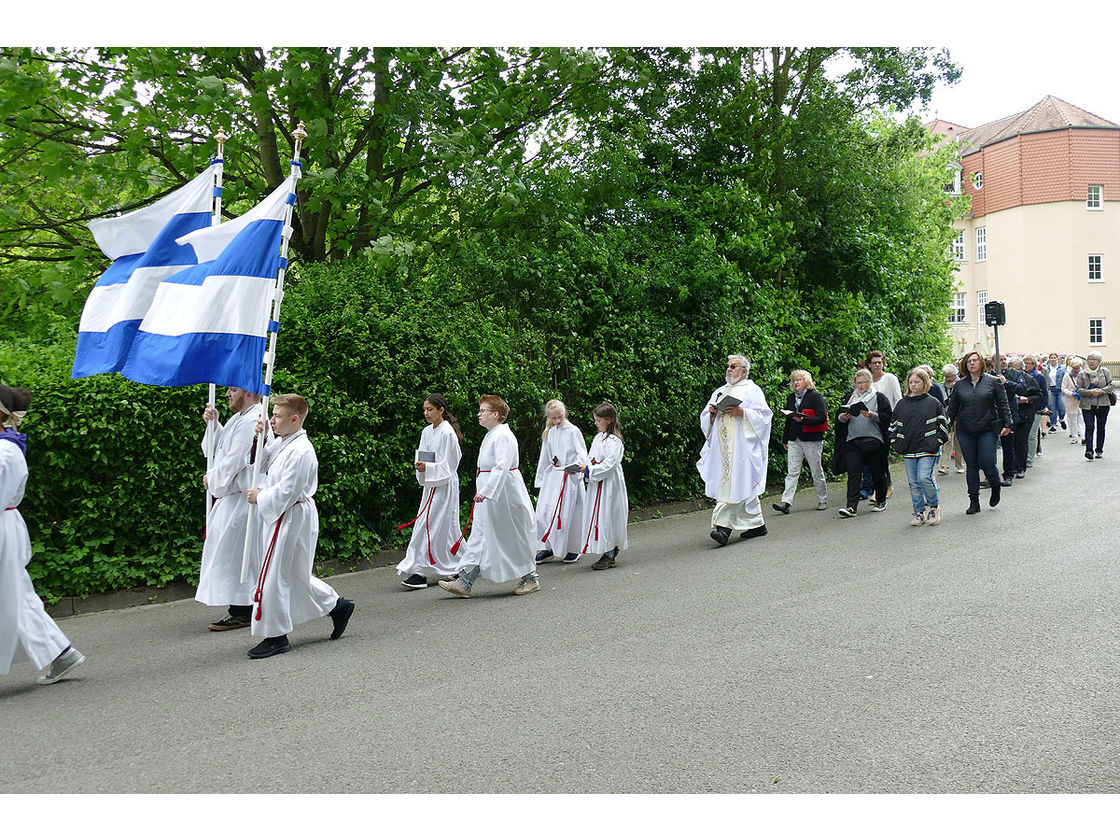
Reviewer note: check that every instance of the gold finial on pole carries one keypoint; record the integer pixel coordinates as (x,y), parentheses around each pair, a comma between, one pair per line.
(301,132)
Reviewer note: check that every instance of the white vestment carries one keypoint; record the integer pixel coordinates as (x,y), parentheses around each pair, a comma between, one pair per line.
(607,506)
(436,527)
(289,593)
(734,456)
(560,503)
(26,631)
(502,542)
(219,579)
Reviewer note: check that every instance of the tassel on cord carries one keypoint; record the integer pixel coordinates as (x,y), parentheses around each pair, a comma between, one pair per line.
(258,595)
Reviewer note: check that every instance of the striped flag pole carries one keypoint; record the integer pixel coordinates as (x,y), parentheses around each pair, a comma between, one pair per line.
(215,219)
(269,361)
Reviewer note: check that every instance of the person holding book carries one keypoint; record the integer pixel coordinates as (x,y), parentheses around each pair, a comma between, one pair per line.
(607,505)
(436,526)
(502,543)
(559,511)
(736,428)
(861,441)
(803,439)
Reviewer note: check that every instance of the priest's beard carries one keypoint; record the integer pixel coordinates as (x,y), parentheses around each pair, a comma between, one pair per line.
(735,380)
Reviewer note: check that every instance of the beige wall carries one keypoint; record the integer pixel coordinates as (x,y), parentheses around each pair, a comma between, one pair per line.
(1038,265)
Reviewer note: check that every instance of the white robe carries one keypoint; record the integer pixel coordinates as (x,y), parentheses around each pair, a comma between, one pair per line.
(219,579)
(607,505)
(734,456)
(289,593)
(502,541)
(436,528)
(560,503)
(26,631)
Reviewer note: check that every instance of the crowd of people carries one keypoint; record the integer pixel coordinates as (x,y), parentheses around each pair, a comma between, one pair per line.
(262,524)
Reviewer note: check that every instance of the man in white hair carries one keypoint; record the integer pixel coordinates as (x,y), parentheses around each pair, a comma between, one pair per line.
(736,425)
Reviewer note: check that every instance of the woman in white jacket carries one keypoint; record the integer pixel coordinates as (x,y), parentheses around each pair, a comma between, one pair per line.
(560,503)
(606,507)
(436,526)
(1073,402)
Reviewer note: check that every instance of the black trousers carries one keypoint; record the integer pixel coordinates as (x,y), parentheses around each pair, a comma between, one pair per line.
(1007,445)
(1023,440)
(1096,419)
(875,460)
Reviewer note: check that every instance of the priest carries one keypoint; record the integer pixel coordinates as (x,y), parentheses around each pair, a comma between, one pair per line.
(736,426)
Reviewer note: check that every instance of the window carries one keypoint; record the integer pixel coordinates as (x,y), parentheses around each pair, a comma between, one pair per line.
(1095,275)
(981,302)
(1093,202)
(954,187)
(978,181)
(958,246)
(981,244)
(956,313)
(1096,330)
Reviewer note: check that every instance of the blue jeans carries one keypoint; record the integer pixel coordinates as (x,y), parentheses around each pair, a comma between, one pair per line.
(979,453)
(469,574)
(1057,406)
(923,487)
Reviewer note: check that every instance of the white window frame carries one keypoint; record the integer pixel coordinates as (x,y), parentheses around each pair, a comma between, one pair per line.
(978,181)
(958,311)
(981,244)
(1096,267)
(957,246)
(1099,322)
(981,302)
(1094,198)
(954,188)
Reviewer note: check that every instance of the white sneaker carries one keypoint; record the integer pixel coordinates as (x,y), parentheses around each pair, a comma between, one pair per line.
(63,664)
(822,505)
(527,586)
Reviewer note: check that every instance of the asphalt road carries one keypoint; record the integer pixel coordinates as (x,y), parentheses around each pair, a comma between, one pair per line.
(831,656)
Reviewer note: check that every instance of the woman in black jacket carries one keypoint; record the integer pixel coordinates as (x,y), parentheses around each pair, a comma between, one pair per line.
(979,407)
(803,440)
(917,432)
(861,439)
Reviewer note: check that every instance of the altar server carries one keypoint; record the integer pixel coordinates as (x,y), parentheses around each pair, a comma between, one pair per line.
(287,592)
(227,479)
(436,526)
(607,506)
(502,541)
(26,631)
(736,426)
(560,503)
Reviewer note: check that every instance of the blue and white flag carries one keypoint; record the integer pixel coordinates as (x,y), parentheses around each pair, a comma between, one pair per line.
(142,246)
(210,322)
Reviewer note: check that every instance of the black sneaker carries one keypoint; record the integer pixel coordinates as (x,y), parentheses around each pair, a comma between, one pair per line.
(415,582)
(760,531)
(340,615)
(1088,456)
(571,557)
(1064,426)
(720,534)
(543,555)
(604,562)
(270,647)
(781,507)
(229,623)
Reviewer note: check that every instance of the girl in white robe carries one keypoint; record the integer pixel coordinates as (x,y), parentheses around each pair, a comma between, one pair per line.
(606,506)
(436,526)
(501,544)
(560,503)
(26,631)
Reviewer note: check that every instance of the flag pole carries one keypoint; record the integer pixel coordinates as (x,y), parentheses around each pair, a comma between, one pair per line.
(300,134)
(215,219)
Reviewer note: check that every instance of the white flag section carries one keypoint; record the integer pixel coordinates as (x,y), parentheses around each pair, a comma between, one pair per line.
(142,246)
(209,322)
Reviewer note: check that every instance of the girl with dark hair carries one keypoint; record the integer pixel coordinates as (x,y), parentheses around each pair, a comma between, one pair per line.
(26,631)
(607,506)
(428,557)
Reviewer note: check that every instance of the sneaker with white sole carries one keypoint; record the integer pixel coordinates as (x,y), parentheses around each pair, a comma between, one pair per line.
(822,505)
(934,516)
(880,507)
(415,582)
(455,587)
(527,586)
(62,665)
(919,519)
(848,512)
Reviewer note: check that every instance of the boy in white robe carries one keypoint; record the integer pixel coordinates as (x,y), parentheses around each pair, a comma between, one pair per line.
(287,592)
(734,457)
(502,541)
(227,479)
(26,631)
(560,503)
(436,526)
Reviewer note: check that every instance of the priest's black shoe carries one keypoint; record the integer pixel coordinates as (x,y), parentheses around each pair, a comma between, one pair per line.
(760,531)
(270,647)
(720,534)
(340,615)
